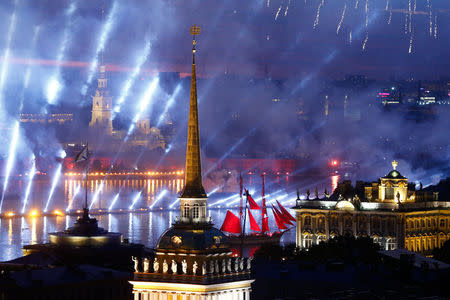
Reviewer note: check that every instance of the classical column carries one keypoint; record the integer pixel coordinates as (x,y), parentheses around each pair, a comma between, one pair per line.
(241,295)
(136,295)
(247,294)
(145,296)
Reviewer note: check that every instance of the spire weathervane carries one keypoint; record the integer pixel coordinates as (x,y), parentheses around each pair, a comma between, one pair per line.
(193,173)
(195,30)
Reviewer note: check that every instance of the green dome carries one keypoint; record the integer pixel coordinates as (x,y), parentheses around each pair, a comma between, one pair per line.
(182,238)
(394,174)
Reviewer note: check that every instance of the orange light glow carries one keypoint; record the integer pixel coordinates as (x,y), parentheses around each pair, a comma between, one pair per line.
(34,213)
(10,214)
(58,212)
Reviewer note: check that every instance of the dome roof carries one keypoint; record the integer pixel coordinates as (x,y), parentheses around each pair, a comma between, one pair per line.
(182,238)
(394,174)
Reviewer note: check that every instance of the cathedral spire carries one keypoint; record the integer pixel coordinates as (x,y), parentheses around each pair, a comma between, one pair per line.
(193,174)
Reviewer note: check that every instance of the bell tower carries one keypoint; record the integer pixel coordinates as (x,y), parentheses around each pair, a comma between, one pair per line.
(101,119)
(102,105)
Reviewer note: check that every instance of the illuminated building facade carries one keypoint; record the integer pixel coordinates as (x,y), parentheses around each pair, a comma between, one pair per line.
(390,211)
(57,118)
(101,119)
(192,258)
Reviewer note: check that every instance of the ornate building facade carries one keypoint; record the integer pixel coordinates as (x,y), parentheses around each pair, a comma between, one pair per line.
(390,211)
(192,258)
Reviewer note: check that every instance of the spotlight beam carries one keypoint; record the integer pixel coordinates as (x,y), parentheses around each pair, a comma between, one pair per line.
(159,197)
(169,104)
(55,181)
(116,197)
(135,200)
(144,103)
(30,182)
(104,35)
(54,85)
(130,81)
(5,64)
(11,159)
(77,190)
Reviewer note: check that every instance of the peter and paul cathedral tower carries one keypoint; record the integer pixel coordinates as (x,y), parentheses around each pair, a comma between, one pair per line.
(192,258)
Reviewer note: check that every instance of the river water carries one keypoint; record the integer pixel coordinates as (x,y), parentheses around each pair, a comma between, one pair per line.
(139,227)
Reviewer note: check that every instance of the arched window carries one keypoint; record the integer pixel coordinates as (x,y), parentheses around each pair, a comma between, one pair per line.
(391,244)
(195,212)
(186,210)
(307,221)
(307,241)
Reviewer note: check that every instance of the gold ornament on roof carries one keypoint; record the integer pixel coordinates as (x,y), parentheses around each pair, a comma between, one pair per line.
(394,164)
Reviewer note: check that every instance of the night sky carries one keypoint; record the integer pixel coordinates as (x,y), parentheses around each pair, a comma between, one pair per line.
(269,49)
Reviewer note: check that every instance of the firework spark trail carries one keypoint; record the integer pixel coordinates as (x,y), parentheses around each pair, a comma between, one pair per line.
(390,17)
(365,42)
(430,13)
(387,5)
(435,27)
(406,23)
(366,9)
(411,41)
(316,21)
(410,16)
(356,4)
(364,46)
(278,12)
(268,3)
(287,8)
(350,39)
(342,19)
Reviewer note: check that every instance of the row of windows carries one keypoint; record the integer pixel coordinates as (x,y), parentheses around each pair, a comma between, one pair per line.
(388,244)
(377,223)
(423,244)
(428,223)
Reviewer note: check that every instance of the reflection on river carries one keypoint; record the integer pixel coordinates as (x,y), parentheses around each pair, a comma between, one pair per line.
(142,228)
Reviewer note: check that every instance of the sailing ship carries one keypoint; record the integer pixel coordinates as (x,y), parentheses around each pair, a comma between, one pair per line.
(235,226)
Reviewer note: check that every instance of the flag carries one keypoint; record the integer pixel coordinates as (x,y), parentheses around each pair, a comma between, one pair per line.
(82,156)
(240,193)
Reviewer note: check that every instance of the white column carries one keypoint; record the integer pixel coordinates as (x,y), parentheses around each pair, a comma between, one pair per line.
(136,295)
(241,295)
(145,296)
(247,294)
(163,296)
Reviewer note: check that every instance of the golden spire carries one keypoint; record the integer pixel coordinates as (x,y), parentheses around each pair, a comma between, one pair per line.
(193,175)
(394,164)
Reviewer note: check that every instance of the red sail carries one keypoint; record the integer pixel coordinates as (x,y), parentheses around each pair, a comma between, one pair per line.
(265,218)
(232,224)
(252,203)
(279,222)
(282,216)
(285,212)
(253,225)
